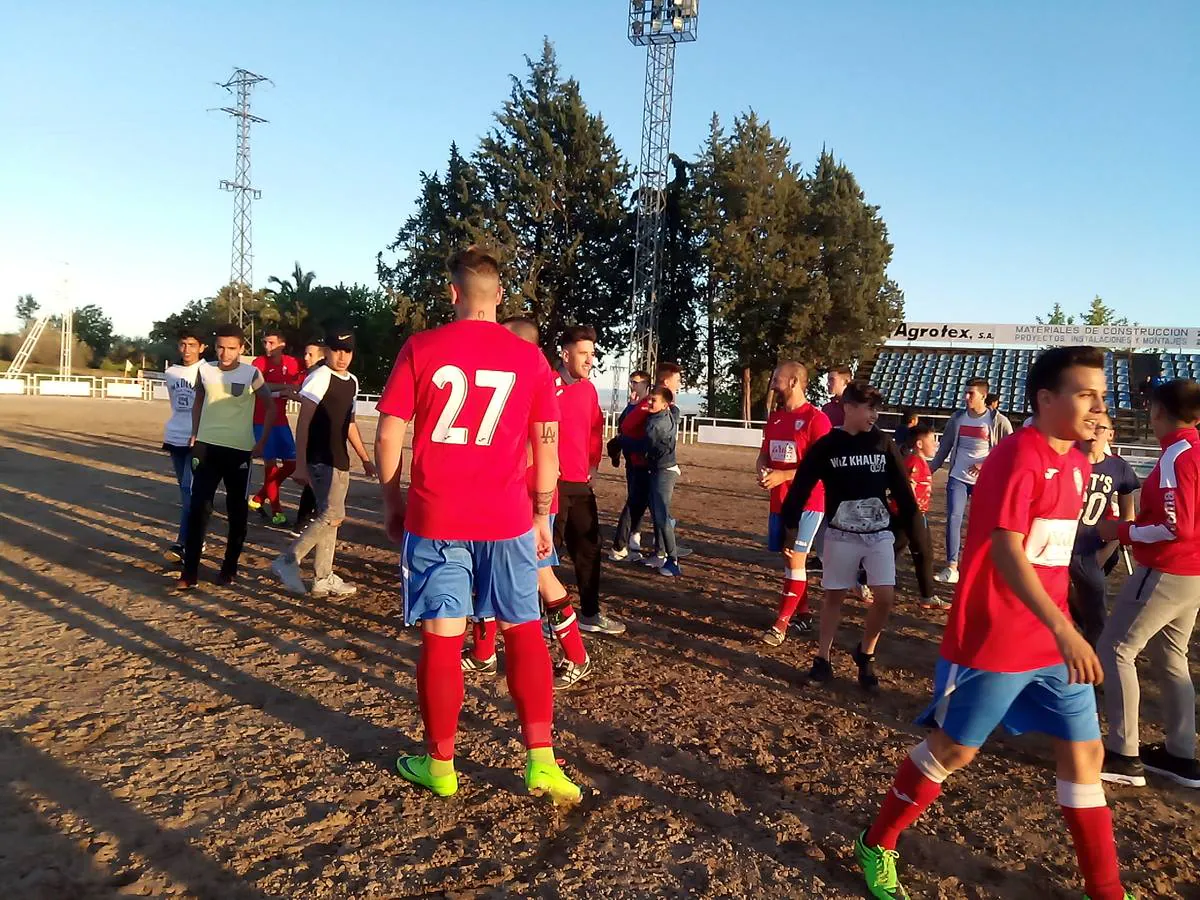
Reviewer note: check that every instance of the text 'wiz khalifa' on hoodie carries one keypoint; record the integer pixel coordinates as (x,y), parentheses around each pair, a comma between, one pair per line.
(860,472)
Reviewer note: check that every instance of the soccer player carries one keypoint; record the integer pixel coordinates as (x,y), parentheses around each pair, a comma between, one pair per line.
(314,356)
(922,444)
(836,382)
(177,436)
(282,373)
(966,442)
(1107,495)
(327,402)
(1010,654)
(580,449)
(789,433)
(1160,601)
(859,466)
(476,396)
(576,665)
(223,443)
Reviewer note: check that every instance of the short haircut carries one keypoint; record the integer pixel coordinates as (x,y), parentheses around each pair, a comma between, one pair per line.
(315,342)
(1180,399)
(800,370)
(667,368)
(190,334)
(472,265)
(273,331)
(576,333)
(981,383)
(639,375)
(523,327)
(1047,370)
(916,433)
(844,371)
(230,330)
(863,393)
(990,399)
(666,394)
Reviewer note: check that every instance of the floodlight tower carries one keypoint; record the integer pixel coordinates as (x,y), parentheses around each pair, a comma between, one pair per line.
(658,26)
(241,270)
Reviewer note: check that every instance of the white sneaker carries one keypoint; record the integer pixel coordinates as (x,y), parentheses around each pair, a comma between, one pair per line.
(332,585)
(618,555)
(948,575)
(289,573)
(635,542)
(654,562)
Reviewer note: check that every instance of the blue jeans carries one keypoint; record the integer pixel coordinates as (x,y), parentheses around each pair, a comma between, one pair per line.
(181,460)
(957,493)
(662,489)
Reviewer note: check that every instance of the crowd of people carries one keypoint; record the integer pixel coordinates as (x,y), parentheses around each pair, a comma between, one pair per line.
(504,453)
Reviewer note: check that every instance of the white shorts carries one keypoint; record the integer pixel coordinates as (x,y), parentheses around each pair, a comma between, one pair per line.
(846,552)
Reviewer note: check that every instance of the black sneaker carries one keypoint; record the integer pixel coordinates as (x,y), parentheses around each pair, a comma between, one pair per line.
(1120,769)
(867,678)
(821,671)
(803,623)
(1183,771)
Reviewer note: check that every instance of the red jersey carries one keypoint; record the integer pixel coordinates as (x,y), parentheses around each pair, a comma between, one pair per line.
(633,426)
(1165,535)
(920,478)
(472,390)
(1027,488)
(581,428)
(287,371)
(786,438)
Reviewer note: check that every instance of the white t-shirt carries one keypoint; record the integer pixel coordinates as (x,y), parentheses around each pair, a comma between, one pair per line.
(181,391)
(974,443)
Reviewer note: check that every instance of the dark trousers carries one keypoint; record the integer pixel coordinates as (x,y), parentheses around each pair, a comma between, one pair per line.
(1087,599)
(212,465)
(921,550)
(637,501)
(578,528)
(307,508)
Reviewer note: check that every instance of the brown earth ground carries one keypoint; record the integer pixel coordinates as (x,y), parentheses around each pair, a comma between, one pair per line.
(238,742)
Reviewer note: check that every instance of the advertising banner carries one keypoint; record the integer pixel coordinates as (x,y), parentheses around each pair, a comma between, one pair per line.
(1117,337)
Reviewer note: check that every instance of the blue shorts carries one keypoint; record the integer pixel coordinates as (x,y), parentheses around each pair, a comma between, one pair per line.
(470,579)
(969,703)
(552,560)
(800,539)
(280,443)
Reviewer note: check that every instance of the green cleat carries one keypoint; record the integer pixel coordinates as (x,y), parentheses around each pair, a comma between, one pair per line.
(279,520)
(416,770)
(879,869)
(1128,896)
(548,780)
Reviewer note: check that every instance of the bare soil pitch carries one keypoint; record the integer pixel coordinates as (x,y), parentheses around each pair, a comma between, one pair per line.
(238,742)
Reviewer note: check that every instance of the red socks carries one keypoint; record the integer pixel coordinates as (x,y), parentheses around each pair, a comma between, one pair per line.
(440,691)
(1090,821)
(794,598)
(484,645)
(273,477)
(530,681)
(566,629)
(918,783)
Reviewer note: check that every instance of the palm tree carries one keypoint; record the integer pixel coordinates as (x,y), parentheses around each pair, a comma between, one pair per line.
(291,296)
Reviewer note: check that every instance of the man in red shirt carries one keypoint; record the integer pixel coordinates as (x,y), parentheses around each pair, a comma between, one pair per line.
(789,433)
(477,396)
(282,374)
(580,449)
(1011,654)
(1161,600)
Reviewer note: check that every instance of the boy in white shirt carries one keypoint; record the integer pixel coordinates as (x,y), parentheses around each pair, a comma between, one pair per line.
(177,436)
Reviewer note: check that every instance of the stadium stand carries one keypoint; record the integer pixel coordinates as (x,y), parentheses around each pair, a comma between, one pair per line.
(933,380)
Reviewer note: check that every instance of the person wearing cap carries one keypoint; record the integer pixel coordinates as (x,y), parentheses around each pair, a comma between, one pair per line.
(325,431)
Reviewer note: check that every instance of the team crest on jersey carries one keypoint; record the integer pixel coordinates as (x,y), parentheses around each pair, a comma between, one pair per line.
(1078,480)
(800,423)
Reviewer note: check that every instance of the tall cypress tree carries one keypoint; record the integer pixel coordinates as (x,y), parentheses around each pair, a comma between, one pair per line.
(680,291)
(553,197)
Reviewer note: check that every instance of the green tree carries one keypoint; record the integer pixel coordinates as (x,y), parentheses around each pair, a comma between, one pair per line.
(95,329)
(27,309)
(554,189)
(1056,317)
(1099,313)
(290,297)
(447,218)
(681,287)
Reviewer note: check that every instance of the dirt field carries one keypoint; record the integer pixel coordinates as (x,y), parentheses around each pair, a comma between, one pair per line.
(238,743)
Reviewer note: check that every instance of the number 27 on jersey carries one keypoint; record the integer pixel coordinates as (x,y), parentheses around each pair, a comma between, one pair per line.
(448,430)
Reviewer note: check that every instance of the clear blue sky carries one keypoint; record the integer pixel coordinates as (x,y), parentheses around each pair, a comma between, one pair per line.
(1022,154)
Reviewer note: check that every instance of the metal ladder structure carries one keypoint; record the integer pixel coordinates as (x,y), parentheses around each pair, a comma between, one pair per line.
(17,366)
